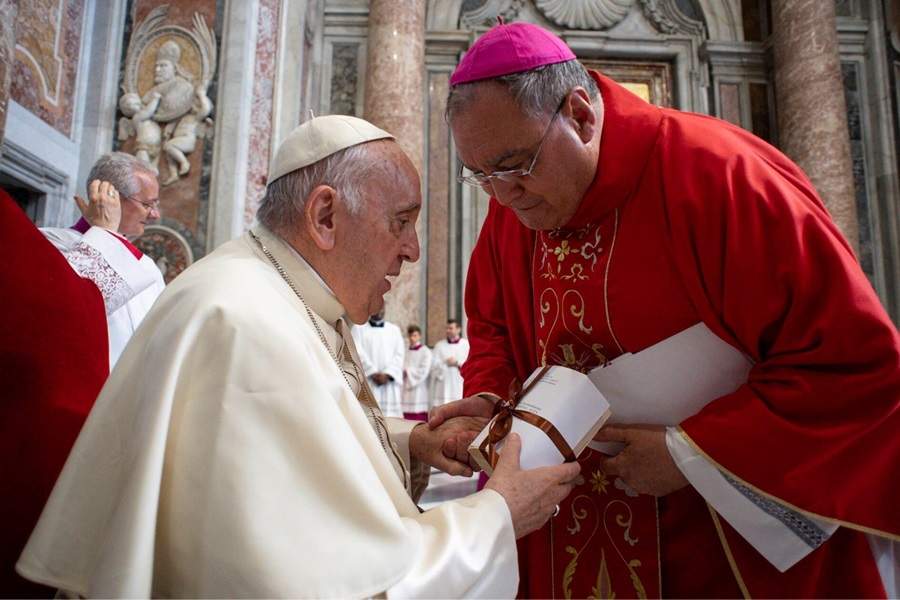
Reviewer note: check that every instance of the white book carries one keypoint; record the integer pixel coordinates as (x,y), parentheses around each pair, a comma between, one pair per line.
(660,385)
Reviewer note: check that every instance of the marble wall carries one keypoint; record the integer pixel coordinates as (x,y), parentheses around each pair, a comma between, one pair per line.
(261,115)
(48,44)
(8,10)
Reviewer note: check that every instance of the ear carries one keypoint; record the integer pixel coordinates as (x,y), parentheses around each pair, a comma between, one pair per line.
(319,213)
(580,109)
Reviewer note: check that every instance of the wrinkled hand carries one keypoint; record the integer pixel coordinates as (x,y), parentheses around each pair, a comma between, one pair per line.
(644,463)
(532,495)
(103,208)
(472,406)
(428,445)
(380,378)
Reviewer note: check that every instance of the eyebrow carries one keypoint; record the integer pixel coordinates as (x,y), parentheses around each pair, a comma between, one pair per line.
(409,209)
(501,158)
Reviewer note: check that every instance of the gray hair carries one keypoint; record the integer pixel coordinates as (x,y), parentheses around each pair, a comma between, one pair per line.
(119,169)
(282,206)
(537,92)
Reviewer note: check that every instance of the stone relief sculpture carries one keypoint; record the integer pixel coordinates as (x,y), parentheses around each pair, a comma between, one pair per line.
(585,15)
(167,113)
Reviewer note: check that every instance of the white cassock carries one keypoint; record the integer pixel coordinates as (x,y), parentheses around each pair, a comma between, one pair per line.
(446,382)
(129,283)
(416,367)
(381,350)
(227,456)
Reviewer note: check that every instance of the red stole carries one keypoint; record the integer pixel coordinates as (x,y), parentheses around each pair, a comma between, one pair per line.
(605,541)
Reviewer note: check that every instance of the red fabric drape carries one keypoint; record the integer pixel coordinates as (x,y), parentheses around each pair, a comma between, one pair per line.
(53,362)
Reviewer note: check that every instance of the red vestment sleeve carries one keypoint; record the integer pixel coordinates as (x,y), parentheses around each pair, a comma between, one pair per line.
(816,425)
(498,354)
(53,362)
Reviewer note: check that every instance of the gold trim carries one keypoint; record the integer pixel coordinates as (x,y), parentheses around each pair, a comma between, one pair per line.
(727,549)
(795,508)
(612,247)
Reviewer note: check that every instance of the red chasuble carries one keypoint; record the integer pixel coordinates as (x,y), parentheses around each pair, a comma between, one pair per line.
(690,219)
(53,362)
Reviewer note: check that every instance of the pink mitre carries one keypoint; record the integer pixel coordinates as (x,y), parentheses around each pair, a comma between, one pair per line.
(507,49)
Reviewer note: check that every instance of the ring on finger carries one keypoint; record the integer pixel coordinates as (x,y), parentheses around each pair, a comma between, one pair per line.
(556,510)
(111,193)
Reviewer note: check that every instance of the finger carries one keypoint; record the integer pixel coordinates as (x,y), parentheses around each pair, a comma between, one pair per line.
(566,472)
(82,205)
(561,492)
(94,188)
(613,433)
(612,465)
(460,449)
(443,413)
(509,456)
(453,467)
(103,194)
(448,448)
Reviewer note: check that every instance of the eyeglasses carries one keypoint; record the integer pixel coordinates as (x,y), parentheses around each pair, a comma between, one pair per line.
(511,176)
(150,206)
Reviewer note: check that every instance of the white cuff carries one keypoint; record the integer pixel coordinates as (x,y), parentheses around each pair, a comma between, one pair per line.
(780,534)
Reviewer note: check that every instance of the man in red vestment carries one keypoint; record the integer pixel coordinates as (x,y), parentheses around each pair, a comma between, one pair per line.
(614,225)
(53,362)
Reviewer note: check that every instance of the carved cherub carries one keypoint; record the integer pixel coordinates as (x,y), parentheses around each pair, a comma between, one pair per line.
(185,133)
(138,122)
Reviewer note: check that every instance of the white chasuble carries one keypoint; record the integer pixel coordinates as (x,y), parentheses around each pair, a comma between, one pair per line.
(227,456)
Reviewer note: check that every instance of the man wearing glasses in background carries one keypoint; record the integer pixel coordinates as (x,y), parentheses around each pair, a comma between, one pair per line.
(123,197)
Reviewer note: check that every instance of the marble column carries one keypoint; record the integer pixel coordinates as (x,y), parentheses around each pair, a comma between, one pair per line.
(394,101)
(812,111)
(8,10)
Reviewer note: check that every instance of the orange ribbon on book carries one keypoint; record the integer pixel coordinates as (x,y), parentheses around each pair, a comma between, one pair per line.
(501,424)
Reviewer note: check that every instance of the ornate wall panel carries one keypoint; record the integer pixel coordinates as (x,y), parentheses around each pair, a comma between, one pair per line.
(169,80)
(48,44)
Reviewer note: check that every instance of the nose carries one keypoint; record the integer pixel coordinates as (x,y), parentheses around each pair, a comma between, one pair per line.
(154,214)
(505,192)
(410,248)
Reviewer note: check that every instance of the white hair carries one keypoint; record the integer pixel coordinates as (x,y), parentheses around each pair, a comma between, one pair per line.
(119,169)
(537,92)
(282,206)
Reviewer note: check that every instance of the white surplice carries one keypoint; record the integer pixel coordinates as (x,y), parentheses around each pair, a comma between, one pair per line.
(446,382)
(129,285)
(381,350)
(416,367)
(228,457)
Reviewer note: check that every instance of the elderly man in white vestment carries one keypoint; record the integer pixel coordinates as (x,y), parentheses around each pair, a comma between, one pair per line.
(236,450)
(123,197)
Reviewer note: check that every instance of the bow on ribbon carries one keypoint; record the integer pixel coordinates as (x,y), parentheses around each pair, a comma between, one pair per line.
(501,424)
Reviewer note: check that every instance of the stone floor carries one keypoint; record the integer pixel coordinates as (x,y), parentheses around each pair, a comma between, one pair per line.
(443,487)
